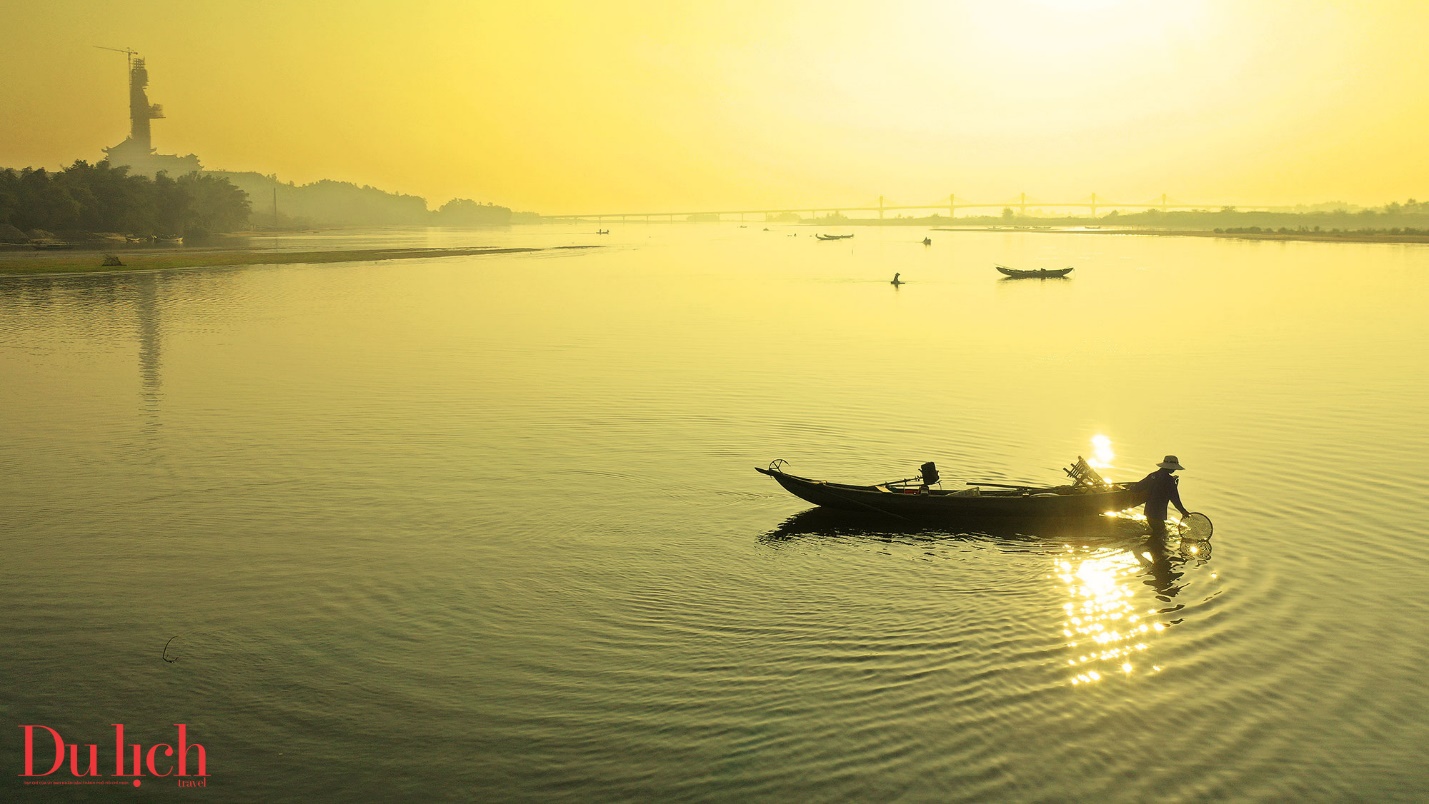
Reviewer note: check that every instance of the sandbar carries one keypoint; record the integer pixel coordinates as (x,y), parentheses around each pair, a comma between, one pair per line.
(79,261)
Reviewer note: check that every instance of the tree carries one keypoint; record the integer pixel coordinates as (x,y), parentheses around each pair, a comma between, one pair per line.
(105,198)
(465,212)
(214,205)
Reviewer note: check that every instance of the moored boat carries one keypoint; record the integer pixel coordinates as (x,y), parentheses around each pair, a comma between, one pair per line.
(833,237)
(1036,273)
(1088,495)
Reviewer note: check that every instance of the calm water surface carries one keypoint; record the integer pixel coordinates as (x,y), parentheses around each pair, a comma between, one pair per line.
(487,527)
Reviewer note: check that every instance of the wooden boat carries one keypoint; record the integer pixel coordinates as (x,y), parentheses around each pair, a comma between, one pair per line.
(915,499)
(1036,273)
(833,237)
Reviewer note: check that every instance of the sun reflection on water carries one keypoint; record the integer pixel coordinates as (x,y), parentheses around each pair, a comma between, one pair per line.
(1106,627)
(1102,456)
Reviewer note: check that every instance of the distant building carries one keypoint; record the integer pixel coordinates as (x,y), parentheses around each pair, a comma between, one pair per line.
(136,150)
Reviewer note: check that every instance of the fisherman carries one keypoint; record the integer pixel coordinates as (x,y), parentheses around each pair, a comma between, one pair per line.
(895,280)
(1159,487)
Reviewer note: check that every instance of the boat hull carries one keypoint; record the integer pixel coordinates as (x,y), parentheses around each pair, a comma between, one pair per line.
(1030,503)
(1040,273)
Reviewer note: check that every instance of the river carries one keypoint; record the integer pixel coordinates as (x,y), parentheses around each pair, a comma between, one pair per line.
(487,528)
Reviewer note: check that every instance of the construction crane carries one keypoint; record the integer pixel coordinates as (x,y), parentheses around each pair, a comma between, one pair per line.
(140,110)
(130,52)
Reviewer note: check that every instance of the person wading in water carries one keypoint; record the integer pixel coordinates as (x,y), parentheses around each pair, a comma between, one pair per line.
(1160,489)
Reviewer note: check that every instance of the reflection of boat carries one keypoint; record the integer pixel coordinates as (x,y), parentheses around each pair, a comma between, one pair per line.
(1037,273)
(833,237)
(836,523)
(912,499)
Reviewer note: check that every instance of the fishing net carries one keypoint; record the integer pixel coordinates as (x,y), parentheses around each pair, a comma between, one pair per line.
(1196,527)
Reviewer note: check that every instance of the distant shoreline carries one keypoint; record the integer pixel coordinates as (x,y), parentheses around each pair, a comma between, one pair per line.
(1315,237)
(86,261)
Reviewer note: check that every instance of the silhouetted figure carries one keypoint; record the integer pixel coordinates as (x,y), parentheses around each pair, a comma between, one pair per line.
(927,241)
(895,280)
(1160,489)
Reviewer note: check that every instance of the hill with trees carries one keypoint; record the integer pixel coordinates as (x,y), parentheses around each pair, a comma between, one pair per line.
(85,200)
(280,204)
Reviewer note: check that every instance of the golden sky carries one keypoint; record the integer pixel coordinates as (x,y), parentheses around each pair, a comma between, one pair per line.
(565,107)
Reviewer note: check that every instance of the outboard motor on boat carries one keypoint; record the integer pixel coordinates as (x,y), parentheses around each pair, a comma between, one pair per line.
(930,473)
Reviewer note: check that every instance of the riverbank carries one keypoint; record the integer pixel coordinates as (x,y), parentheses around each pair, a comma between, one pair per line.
(33,263)
(1317,237)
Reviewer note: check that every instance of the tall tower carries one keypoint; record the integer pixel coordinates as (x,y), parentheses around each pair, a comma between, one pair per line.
(137,150)
(140,110)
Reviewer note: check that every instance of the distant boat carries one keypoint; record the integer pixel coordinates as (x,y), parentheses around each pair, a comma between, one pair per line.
(927,241)
(1036,273)
(176,240)
(602,231)
(833,237)
(50,245)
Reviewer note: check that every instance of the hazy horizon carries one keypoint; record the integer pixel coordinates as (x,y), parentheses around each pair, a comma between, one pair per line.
(564,108)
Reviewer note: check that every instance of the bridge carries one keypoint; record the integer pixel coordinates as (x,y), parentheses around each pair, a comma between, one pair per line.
(1091,203)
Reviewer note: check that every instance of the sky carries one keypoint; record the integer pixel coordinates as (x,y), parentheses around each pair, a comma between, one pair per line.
(609,107)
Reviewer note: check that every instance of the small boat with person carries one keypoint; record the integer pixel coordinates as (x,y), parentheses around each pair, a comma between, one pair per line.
(922,496)
(1036,273)
(832,237)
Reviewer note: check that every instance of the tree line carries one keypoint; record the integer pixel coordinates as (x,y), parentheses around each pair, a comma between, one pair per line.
(1411,214)
(85,198)
(285,205)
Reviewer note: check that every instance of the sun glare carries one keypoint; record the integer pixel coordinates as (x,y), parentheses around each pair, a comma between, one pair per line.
(1102,454)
